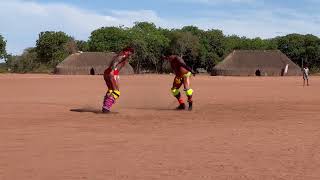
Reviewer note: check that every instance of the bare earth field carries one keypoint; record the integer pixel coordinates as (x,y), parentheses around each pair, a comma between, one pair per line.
(241,128)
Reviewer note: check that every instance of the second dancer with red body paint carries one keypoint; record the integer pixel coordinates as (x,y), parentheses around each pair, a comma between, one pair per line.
(183,74)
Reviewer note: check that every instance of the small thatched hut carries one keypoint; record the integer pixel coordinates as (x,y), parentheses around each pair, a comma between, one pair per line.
(256,62)
(87,63)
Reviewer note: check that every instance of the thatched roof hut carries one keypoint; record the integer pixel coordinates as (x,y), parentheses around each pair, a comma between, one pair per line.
(87,63)
(256,62)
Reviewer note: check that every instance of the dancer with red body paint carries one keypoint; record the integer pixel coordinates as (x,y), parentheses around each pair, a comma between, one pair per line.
(111,77)
(183,74)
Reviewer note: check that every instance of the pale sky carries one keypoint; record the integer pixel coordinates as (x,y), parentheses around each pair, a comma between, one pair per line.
(22,20)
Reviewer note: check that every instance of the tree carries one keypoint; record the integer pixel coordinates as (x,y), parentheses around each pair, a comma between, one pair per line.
(233,43)
(213,49)
(214,41)
(27,62)
(82,45)
(108,39)
(150,43)
(2,47)
(302,49)
(186,45)
(312,50)
(199,48)
(193,30)
(51,47)
(71,46)
(293,45)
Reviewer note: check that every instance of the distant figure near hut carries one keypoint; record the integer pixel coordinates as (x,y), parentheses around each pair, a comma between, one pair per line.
(92,72)
(305,74)
(256,63)
(258,72)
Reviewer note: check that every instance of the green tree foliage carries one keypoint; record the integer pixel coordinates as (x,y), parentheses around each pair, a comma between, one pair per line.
(108,39)
(200,48)
(2,47)
(243,43)
(301,49)
(193,30)
(27,62)
(51,47)
(150,43)
(82,45)
(213,48)
(186,45)
(148,40)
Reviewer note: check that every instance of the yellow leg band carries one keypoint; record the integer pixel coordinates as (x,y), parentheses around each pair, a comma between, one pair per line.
(175,92)
(189,74)
(116,94)
(189,92)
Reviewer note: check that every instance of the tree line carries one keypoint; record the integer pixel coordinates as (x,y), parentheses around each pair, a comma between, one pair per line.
(200,48)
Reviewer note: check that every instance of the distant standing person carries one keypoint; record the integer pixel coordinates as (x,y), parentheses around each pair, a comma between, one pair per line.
(183,74)
(111,77)
(305,72)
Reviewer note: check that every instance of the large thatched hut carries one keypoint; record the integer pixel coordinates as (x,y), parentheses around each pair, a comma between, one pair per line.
(87,63)
(256,62)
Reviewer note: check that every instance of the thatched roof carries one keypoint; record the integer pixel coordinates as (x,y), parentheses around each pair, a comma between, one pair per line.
(83,63)
(247,62)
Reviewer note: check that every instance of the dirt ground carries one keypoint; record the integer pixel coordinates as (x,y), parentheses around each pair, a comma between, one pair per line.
(241,128)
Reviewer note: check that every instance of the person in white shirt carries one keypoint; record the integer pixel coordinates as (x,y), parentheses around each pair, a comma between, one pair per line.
(305,72)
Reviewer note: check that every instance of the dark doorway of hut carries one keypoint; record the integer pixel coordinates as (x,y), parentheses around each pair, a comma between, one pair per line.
(258,72)
(92,72)
(282,72)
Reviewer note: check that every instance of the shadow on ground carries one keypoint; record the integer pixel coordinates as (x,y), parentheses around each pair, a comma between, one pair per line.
(153,108)
(86,110)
